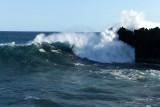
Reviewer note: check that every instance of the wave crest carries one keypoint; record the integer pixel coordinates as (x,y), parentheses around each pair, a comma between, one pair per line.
(56,53)
(101,47)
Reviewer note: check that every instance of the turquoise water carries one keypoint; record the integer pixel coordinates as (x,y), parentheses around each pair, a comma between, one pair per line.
(51,75)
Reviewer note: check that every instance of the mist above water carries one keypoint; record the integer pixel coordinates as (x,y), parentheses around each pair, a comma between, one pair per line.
(104,47)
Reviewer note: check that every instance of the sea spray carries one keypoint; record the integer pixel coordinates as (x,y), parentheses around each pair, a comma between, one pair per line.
(49,74)
(134,20)
(103,47)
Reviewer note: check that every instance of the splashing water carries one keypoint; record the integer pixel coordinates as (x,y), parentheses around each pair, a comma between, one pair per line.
(135,20)
(104,47)
(49,74)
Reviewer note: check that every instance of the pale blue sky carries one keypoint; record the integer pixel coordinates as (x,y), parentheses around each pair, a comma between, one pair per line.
(70,15)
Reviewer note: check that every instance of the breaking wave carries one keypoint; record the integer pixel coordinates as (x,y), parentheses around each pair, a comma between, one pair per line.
(104,47)
(54,54)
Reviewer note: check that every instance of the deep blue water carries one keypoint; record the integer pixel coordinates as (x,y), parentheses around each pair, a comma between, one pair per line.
(30,77)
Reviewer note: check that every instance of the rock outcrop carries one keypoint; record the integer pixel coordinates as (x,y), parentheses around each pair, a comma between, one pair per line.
(145,41)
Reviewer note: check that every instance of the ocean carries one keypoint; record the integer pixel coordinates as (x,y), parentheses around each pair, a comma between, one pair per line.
(57,69)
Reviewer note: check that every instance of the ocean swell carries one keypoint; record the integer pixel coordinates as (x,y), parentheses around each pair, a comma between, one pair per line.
(102,47)
(33,54)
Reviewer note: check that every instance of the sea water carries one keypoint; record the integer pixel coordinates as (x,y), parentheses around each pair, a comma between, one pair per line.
(47,69)
(62,69)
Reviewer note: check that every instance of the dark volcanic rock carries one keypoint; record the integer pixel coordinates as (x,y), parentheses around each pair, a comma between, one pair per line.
(145,41)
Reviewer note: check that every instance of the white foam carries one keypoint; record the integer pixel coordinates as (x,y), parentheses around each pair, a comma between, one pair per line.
(135,20)
(42,50)
(31,97)
(55,51)
(10,44)
(102,48)
(105,47)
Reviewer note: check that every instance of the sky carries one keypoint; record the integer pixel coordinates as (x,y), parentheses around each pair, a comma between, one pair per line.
(70,15)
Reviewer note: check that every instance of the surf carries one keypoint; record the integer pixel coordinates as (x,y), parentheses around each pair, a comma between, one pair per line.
(103,47)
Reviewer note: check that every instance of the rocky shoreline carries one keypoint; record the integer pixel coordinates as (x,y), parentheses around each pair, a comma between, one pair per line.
(145,41)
